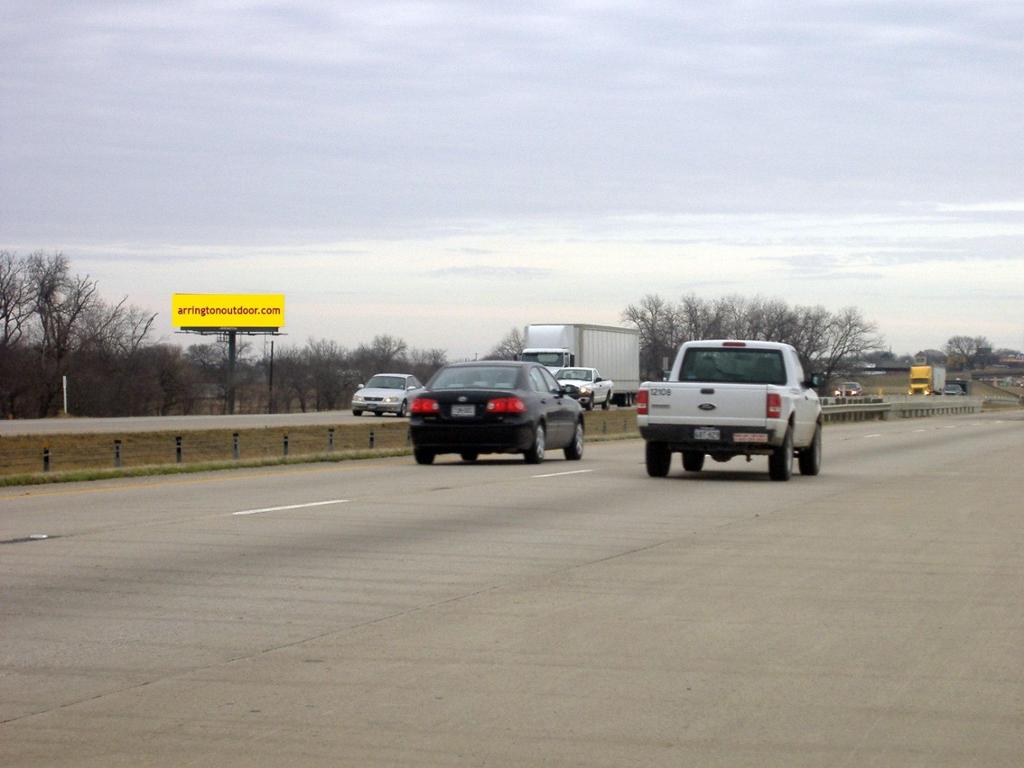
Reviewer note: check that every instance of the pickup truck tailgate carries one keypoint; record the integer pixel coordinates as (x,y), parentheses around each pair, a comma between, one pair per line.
(725,405)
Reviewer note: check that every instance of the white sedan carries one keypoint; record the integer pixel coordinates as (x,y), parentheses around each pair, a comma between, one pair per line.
(386,393)
(587,386)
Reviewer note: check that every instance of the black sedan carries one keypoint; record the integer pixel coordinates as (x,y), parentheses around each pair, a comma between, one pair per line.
(494,407)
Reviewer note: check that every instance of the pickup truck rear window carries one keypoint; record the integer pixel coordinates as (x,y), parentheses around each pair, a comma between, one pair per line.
(734,366)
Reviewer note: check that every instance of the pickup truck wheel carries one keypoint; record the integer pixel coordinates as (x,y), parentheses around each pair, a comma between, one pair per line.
(780,463)
(607,402)
(356,412)
(810,457)
(590,405)
(659,459)
(535,454)
(574,450)
(693,461)
(423,455)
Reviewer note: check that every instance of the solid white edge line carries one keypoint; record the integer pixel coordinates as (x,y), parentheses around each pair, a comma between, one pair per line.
(560,474)
(290,506)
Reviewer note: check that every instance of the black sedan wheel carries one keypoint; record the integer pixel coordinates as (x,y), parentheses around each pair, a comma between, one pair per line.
(423,456)
(535,453)
(574,450)
(469,455)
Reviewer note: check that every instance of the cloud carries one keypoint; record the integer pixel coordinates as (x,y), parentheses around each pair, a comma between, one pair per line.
(491,273)
(1005,206)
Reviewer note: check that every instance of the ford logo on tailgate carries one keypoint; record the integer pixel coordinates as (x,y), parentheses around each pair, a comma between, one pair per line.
(707,406)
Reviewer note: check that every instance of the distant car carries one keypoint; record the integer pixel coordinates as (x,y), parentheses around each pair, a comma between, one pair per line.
(953,389)
(495,407)
(849,389)
(386,393)
(587,386)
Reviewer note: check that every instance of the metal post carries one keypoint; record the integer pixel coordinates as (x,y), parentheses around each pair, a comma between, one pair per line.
(231,371)
(177,449)
(286,445)
(373,438)
(46,459)
(270,403)
(64,383)
(117,453)
(330,439)
(234,445)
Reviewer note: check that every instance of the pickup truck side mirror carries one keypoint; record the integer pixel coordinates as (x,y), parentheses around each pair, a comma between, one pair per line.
(816,380)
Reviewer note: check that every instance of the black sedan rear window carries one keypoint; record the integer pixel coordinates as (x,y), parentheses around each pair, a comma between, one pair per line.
(725,365)
(476,377)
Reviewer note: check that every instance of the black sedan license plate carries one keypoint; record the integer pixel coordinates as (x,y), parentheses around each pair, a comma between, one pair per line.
(463,410)
(707,433)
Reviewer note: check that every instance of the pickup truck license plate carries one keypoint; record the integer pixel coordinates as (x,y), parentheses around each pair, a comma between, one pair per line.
(463,410)
(707,433)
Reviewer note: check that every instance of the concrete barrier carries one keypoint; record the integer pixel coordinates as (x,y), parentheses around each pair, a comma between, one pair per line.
(837,410)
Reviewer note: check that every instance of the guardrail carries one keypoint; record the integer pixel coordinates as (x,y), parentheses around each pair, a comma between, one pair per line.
(847,409)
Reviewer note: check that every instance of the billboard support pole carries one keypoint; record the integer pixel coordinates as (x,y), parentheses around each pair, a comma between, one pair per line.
(232,349)
(270,404)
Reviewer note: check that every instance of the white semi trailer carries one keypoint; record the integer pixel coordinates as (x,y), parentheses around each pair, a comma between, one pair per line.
(613,351)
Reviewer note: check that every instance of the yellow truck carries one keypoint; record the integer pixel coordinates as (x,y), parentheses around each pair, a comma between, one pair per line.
(927,379)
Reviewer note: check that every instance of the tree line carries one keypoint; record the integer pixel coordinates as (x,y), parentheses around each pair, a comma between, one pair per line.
(827,342)
(55,326)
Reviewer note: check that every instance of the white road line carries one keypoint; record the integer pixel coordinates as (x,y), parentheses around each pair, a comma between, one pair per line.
(876,434)
(560,474)
(290,506)
(920,430)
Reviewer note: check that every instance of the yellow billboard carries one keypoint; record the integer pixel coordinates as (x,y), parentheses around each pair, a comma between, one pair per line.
(227,310)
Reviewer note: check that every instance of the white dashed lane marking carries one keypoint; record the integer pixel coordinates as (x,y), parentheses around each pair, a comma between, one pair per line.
(561,474)
(290,506)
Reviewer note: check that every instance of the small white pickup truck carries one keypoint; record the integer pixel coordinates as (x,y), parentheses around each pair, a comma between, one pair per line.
(587,386)
(733,398)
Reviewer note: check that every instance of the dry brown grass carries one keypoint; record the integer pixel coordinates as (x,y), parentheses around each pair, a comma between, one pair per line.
(22,455)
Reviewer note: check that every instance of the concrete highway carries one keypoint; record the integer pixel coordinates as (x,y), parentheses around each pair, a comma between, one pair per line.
(380,613)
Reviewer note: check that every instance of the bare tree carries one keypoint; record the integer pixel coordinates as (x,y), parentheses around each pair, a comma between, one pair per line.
(964,351)
(509,348)
(16,299)
(848,337)
(423,363)
(661,327)
(61,300)
(327,364)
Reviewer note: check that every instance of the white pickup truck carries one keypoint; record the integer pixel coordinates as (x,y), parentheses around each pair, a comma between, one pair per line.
(733,398)
(587,386)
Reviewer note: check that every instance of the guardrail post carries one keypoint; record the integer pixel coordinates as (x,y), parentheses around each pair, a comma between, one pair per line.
(177,449)
(330,439)
(235,452)
(117,453)
(373,439)
(46,459)
(286,445)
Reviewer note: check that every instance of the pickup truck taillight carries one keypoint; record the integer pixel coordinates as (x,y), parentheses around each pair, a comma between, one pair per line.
(773,406)
(643,399)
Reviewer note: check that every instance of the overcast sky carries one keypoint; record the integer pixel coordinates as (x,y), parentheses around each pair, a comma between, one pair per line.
(445,171)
